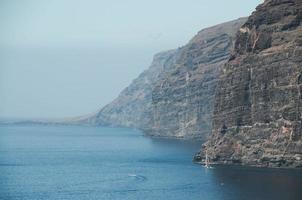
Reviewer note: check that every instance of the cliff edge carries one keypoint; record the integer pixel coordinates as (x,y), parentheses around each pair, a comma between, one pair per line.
(258,102)
(174,96)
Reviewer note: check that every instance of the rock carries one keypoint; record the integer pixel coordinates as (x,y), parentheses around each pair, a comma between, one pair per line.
(133,107)
(183,100)
(259,94)
(298,157)
(174,97)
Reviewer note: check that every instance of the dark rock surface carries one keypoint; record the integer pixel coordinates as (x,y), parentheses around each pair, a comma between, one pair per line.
(174,97)
(258,102)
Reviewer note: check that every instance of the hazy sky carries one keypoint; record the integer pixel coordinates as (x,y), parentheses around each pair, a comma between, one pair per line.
(62,58)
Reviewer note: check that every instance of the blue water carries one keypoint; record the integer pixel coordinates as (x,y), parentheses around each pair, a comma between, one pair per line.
(71,162)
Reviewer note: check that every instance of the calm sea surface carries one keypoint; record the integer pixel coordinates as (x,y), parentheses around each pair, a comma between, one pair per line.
(71,163)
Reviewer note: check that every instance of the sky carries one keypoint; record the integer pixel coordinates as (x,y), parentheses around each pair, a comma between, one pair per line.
(65,58)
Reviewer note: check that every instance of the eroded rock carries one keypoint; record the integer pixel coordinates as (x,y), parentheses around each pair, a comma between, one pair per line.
(259,93)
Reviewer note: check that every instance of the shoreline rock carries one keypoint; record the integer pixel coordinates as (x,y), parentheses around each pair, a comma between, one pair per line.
(258,104)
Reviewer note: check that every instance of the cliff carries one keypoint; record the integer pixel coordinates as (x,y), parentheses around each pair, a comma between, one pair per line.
(258,103)
(183,100)
(133,107)
(174,97)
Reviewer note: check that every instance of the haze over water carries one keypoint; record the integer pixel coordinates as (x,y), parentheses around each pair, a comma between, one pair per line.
(72,162)
(65,58)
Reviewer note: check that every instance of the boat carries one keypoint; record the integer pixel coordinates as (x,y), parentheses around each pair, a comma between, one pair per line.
(207,161)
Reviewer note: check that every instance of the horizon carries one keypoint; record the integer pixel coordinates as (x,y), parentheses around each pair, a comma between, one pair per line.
(62,59)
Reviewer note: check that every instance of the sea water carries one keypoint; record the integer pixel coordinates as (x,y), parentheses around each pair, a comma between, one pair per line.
(95,163)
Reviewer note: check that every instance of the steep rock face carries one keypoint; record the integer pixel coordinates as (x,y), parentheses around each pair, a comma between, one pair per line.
(174,97)
(183,101)
(258,103)
(133,107)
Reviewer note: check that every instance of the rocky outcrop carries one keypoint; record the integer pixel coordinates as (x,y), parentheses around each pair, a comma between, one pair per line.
(258,103)
(183,101)
(174,97)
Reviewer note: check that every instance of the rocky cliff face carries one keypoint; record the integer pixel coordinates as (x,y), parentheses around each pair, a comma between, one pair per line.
(183,101)
(258,104)
(133,107)
(174,97)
